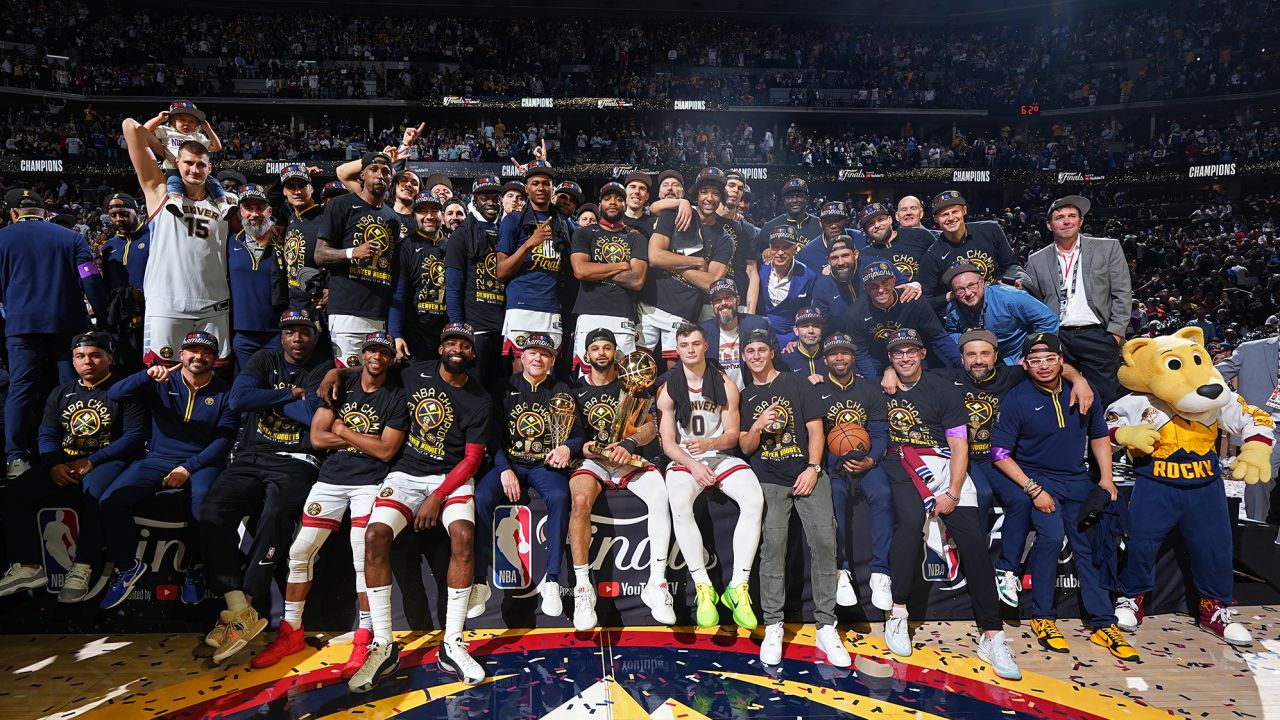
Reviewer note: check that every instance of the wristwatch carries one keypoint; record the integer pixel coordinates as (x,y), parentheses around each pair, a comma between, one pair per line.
(814,467)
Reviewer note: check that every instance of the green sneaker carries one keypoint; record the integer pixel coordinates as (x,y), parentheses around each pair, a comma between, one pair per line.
(739,601)
(707,614)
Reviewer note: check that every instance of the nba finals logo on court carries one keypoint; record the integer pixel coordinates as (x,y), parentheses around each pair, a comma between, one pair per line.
(512,559)
(59,533)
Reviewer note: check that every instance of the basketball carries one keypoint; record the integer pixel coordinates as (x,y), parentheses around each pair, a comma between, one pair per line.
(848,441)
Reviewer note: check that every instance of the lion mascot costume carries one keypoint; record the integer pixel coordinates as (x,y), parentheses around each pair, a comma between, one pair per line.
(1169,424)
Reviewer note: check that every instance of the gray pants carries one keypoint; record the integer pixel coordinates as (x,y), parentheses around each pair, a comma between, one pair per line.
(818,519)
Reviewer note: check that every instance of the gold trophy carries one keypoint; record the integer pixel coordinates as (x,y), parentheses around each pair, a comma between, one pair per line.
(563,410)
(637,371)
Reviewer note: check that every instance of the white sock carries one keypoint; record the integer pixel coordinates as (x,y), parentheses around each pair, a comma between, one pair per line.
(366,620)
(293,612)
(380,612)
(582,575)
(236,601)
(700,576)
(899,611)
(455,612)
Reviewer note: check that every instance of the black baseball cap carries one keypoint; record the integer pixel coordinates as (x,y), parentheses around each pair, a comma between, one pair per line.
(18,198)
(200,338)
(291,318)
(601,334)
(252,192)
(539,167)
(876,270)
(484,183)
(513,186)
(234,176)
(612,188)
(426,198)
(1041,342)
(640,177)
(795,185)
(838,341)
(671,174)
(946,199)
(93,339)
(758,336)
(458,330)
(905,336)
(372,158)
(119,200)
(294,172)
(873,211)
(958,269)
(378,339)
(542,342)
(810,315)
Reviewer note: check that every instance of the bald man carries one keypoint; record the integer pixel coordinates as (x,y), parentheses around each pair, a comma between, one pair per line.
(910,212)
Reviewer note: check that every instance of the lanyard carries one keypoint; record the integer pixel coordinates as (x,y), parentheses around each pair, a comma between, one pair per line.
(1070,276)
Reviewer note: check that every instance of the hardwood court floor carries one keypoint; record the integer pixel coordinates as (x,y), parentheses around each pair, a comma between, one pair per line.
(656,673)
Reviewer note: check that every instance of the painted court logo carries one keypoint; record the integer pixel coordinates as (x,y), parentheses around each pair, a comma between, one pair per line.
(59,533)
(512,556)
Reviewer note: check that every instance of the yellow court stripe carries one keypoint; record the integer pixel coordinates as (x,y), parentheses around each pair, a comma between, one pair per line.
(392,706)
(853,703)
(676,710)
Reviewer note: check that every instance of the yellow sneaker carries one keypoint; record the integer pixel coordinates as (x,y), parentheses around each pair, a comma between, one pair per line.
(1112,639)
(1046,631)
(705,600)
(737,599)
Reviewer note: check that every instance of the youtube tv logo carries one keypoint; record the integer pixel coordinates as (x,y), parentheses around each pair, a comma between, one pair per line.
(167,593)
(609,589)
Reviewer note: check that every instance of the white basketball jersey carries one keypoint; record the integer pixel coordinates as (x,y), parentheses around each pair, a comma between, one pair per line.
(704,420)
(187,267)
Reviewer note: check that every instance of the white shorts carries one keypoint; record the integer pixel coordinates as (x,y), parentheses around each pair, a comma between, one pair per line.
(520,324)
(347,334)
(326,504)
(722,466)
(623,329)
(658,329)
(613,477)
(401,495)
(162,336)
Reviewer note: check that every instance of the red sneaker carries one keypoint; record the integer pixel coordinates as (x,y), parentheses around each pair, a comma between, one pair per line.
(1219,619)
(288,641)
(359,652)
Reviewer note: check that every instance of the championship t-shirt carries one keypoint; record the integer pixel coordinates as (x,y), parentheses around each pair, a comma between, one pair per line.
(367,413)
(984,246)
(533,430)
(270,429)
(906,251)
(921,416)
(85,420)
(471,249)
(600,245)
(982,401)
(784,445)
(744,242)
(363,287)
(442,420)
(708,241)
(299,249)
(422,261)
(859,401)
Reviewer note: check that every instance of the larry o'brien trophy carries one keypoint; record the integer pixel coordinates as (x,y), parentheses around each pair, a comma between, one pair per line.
(637,373)
(563,410)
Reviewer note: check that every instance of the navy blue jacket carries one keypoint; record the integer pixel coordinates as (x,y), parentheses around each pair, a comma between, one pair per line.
(814,255)
(124,257)
(44,269)
(799,296)
(193,427)
(259,292)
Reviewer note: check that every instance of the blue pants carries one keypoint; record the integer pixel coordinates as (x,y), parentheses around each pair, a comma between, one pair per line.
(874,485)
(173,184)
(1050,530)
(29,356)
(552,485)
(244,343)
(1201,514)
(134,485)
(1017,511)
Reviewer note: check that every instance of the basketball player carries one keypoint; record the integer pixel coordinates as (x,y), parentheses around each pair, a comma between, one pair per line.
(982,244)
(186,284)
(599,397)
(306,288)
(472,292)
(422,281)
(610,261)
(431,484)
(698,407)
(364,428)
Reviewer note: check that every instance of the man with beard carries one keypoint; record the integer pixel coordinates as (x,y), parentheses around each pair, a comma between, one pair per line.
(356,241)
(786,446)
(744,269)
(532,247)
(982,244)
(307,283)
(124,265)
(432,484)
(670,185)
(441,186)
(1011,314)
(609,465)
(454,213)
(472,292)
(834,218)
(610,261)
(525,456)
(513,197)
(1039,443)
(232,180)
(257,278)
(273,470)
(846,398)
(905,248)
(567,197)
(929,454)
(685,263)
(786,285)
(804,354)
(698,426)
(423,316)
(192,427)
(363,428)
(795,198)
(880,313)
(725,332)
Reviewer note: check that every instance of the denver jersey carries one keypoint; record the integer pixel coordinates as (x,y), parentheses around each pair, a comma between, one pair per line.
(1186,452)
(704,420)
(187,265)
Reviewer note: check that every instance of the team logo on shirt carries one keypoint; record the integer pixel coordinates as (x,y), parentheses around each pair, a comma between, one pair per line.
(432,413)
(274,425)
(84,422)
(906,265)
(360,417)
(885,330)
(314,509)
(526,429)
(88,426)
(845,412)
(529,425)
(372,230)
(431,295)
(600,417)
(208,401)
(777,441)
(294,255)
(980,260)
(612,251)
(904,422)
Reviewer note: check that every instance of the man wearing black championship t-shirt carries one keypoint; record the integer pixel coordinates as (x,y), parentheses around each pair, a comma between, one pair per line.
(356,241)
(982,244)
(785,443)
(272,473)
(610,261)
(421,316)
(906,248)
(308,286)
(364,428)
(882,311)
(432,483)
(472,292)
(927,464)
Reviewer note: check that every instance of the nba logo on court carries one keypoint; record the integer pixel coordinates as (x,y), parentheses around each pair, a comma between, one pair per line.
(512,531)
(59,532)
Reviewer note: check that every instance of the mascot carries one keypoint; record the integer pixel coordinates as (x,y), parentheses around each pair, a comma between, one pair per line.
(1170,424)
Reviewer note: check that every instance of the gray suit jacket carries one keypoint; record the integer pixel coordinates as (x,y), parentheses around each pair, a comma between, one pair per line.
(1254,363)
(1107,285)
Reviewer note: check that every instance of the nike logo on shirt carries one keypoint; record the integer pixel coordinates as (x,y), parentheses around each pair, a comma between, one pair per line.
(1040,407)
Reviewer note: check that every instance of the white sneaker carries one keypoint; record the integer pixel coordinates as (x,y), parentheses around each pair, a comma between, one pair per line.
(455,658)
(383,660)
(480,594)
(832,645)
(897,637)
(661,606)
(552,605)
(846,596)
(996,653)
(771,648)
(1008,587)
(75,587)
(16,468)
(1126,614)
(20,577)
(584,608)
(881,591)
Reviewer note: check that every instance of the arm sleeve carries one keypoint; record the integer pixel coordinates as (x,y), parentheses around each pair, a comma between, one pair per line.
(1121,292)
(95,289)
(1008,424)
(131,440)
(1246,421)
(399,289)
(133,388)
(463,471)
(221,445)
(1034,313)
(879,432)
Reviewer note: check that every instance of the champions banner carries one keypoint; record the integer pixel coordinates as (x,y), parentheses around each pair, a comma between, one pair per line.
(619,559)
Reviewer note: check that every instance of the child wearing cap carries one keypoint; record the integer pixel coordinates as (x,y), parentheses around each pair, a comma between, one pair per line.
(184,122)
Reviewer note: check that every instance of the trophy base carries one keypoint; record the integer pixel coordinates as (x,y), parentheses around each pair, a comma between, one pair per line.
(636,460)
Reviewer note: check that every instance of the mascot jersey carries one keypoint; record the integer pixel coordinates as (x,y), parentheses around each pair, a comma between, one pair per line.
(1186,452)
